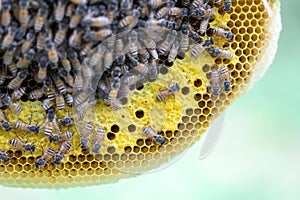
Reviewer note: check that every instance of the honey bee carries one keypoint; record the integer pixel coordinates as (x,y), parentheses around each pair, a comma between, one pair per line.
(75,38)
(165,93)
(97,56)
(5,14)
(108,58)
(24,12)
(46,157)
(76,17)
(10,36)
(99,138)
(153,71)
(85,135)
(40,41)
(221,53)
(37,93)
(40,18)
(17,81)
(130,21)
(17,94)
(67,121)
(198,49)
(133,43)
(81,98)
(155,136)
(157,3)
(204,25)
(227,5)
(99,35)
(167,43)
(178,12)
(165,10)
(5,125)
(27,127)
(13,68)
(199,3)
(8,55)
(69,10)
(59,11)
(26,59)
(52,52)
(20,33)
(60,101)
(50,123)
(42,71)
(30,37)
(63,58)
(4,157)
(149,44)
(225,78)
(63,136)
(63,149)
(69,99)
(50,93)
(112,9)
(20,145)
(217,2)
(184,39)
(87,49)
(173,51)
(221,32)
(215,83)
(69,79)
(75,62)
(3,76)
(46,104)
(203,13)
(61,32)
(60,85)
(99,22)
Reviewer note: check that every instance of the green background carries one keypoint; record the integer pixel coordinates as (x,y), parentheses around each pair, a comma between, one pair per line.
(257,157)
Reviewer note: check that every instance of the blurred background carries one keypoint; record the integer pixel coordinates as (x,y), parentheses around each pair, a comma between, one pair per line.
(257,157)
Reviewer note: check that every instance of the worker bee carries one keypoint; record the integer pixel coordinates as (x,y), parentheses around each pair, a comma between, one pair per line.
(204,25)
(17,81)
(87,49)
(40,41)
(20,145)
(17,94)
(178,12)
(167,43)
(5,125)
(99,138)
(173,51)
(26,59)
(108,58)
(63,149)
(153,71)
(27,127)
(198,49)
(5,14)
(60,101)
(99,22)
(155,136)
(85,135)
(157,3)
(76,17)
(227,5)
(164,11)
(42,71)
(61,32)
(50,93)
(112,9)
(3,76)
(69,10)
(52,52)
(8,55)
(24,12)
(165,93)
(203,13)
(63,136)
(225,78)
(184,39)
(10,35)
(69,79)
(13,68)
(75,38)
(126,6)
(50,123)
(75,62)
(217,2)
(97,56)
(63,58)
(40,18)
(30,37)
(46,104)
(221,32)
(130,21)
(4,157)
(199,3)
(149,44)
(46,157)
(133,43)
(215,83)
(221,53)
(67,121)
(37,93)
(69,99)
(59,11)
(60,85)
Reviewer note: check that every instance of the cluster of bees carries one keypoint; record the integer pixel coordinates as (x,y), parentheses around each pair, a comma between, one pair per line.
(78,51)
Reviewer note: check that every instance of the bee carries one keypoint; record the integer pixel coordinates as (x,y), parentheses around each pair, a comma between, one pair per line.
(173,51)
(4,157)
(221,32)
(59,11)
(63,149)
(79,2)
(20,33)
(97,56)
(75,62)
(5,14)
(46,104)
(10,36)
(199,3)
(60,85)
(98,22)
(64,136)
(204,25)
(215,83)
(61,32)
(41,16)
(50,123)
(8,55)
(51,51)
(165,93)
(69,79)
(203,13)
(40,41)
(13,68)
(164,11)
(42,71)
(99,35)
(24,12)
(87,49)
(37,93)
(155,136)
(76,17)
(30,37)
(67,121)
(217,2)
(75,38)
(108,58)
(99,138)
(60,101)
(225,78)
(198,49)
(227,5)
(130,21)
(167,43)
(17,81)
(5,125)
(112,9)
(157,3)
(184,39)
(85,135)
(133,43)
(46,157)
(27,127)
(20,145)
(178,12)
(221,53)
(26,59)
(79,82)
(17,94)
(3,76)
(69,99)
(149,44)
(69,10)
(153,71)
(63,58)
(126,6)
(82,97)
(50,93)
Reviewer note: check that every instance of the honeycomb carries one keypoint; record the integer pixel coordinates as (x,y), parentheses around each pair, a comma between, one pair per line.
(126,152)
